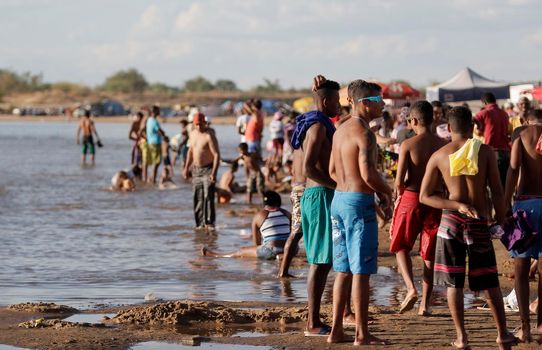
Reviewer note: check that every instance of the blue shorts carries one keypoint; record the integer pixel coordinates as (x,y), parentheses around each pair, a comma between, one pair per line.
(355,233)
(533,208)
(268,252)
(254,146)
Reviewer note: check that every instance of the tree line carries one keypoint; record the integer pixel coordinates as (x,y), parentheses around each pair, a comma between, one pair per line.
(125,81)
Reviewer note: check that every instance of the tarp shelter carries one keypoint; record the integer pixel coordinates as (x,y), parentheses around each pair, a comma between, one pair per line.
(537,93)
(108,107)
(467,85)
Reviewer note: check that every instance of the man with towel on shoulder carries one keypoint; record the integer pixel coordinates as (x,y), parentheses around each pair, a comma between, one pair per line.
(313,134)
(467,168)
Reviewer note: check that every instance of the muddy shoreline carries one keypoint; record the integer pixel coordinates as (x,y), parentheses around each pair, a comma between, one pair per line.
(277,325)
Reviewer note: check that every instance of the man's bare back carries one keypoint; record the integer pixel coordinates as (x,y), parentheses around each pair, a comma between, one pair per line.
(317,150)
(471,189)
(87,126)
(298,172)
(416,152)
(353,142)
(530,181)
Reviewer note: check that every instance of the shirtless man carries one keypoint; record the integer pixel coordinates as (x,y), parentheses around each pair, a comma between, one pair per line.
(86,125)
(313,134)
(255,178)
(224,190)
(464,225)
(528,191)
(410,217)
(133,135)
(203,159)
(353,166)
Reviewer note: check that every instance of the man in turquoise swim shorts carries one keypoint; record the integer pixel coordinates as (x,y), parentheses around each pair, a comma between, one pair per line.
(313,134)
(355,229)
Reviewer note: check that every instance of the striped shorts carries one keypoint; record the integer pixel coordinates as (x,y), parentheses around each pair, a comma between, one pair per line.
(460,237)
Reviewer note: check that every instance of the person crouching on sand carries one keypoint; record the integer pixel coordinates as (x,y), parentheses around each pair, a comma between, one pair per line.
(270,230)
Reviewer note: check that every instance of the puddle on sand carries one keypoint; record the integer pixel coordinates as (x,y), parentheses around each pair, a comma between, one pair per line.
(88,318)
(252,331)
(156,345)
(9,347)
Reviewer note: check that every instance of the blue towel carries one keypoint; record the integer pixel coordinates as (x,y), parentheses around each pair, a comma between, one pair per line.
(305,121)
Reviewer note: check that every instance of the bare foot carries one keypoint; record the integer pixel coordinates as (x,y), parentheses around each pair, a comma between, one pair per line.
(524,336)
(460,345)
(408,303)
(349,319)
(204,251)
(506,341)
(370,340)
(339,337)
(425,313)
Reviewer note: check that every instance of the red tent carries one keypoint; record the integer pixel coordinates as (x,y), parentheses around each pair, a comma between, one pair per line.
(399,91)
(537,93)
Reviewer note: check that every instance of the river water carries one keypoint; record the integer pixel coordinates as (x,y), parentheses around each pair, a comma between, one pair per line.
(65,238)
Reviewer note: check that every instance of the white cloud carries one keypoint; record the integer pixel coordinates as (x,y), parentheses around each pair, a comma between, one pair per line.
(191,19)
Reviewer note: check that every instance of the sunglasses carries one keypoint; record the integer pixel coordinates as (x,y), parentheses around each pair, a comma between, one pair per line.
(377,98)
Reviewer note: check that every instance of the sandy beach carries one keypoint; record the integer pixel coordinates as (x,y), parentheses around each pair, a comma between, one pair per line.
(277,325)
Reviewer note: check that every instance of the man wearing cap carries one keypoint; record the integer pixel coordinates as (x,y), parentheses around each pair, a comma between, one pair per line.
(203,159)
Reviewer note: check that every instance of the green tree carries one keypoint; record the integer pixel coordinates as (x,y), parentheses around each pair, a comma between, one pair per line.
(11,82)
(127,81)
(269,86)
(71,88)
(198,84)
(162,88)
(225,85)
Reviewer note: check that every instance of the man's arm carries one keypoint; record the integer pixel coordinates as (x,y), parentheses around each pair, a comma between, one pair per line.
(213,146)
(367,165)
(312,148)
(188,163)
(256,224)
(429,186)
(402,167)
(494,180)
(512,176)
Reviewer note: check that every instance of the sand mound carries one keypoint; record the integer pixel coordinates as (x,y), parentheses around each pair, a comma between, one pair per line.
(56,324)
(43,308)
(185,312)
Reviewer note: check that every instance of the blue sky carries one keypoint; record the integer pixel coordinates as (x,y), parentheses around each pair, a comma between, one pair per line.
(289,40)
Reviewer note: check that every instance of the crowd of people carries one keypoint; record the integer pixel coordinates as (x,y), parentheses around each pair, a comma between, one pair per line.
(459,181)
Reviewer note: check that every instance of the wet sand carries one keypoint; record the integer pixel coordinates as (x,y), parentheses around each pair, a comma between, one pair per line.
(251,323)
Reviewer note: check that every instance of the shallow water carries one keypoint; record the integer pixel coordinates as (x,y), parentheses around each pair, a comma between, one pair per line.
(9,347)
(65,238)
(88,318)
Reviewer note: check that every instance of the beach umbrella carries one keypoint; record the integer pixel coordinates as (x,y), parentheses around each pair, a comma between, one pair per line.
(399,91)
(304,104)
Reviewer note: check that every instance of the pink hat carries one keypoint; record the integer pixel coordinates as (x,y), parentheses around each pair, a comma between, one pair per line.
(278,116)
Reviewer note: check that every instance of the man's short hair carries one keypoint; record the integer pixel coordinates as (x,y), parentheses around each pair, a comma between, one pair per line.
(184,122)
(423,111)
(361,88)
(139,114)
(243,146)
(460,119)
(155,110)
(87,113)
(258,104)
(437,104)
(327,88)
(488,97)
(534,114)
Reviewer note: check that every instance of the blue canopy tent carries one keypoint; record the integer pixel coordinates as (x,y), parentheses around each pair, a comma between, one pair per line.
(467,85)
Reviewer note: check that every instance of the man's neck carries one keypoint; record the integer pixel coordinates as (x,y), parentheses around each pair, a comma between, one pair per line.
(423,131)
(460,137)
(363,117)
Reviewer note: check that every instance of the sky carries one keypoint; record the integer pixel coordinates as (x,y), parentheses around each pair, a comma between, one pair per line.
(171,41)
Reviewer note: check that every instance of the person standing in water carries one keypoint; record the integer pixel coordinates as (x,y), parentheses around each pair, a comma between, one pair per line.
(86,126)
(203,160)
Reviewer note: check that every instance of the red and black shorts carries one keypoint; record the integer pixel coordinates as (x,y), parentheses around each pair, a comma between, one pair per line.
(460,237)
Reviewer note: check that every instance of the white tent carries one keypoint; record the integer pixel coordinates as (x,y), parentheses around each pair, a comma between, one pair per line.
(466,85)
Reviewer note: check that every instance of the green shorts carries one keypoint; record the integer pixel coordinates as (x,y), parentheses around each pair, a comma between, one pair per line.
(154,154)
(316,224)
(88,145)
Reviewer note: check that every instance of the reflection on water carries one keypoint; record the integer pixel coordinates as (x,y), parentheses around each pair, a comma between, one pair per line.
(65,238)
(88,318)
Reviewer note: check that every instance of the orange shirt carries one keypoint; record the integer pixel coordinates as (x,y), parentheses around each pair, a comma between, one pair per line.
(254,128)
